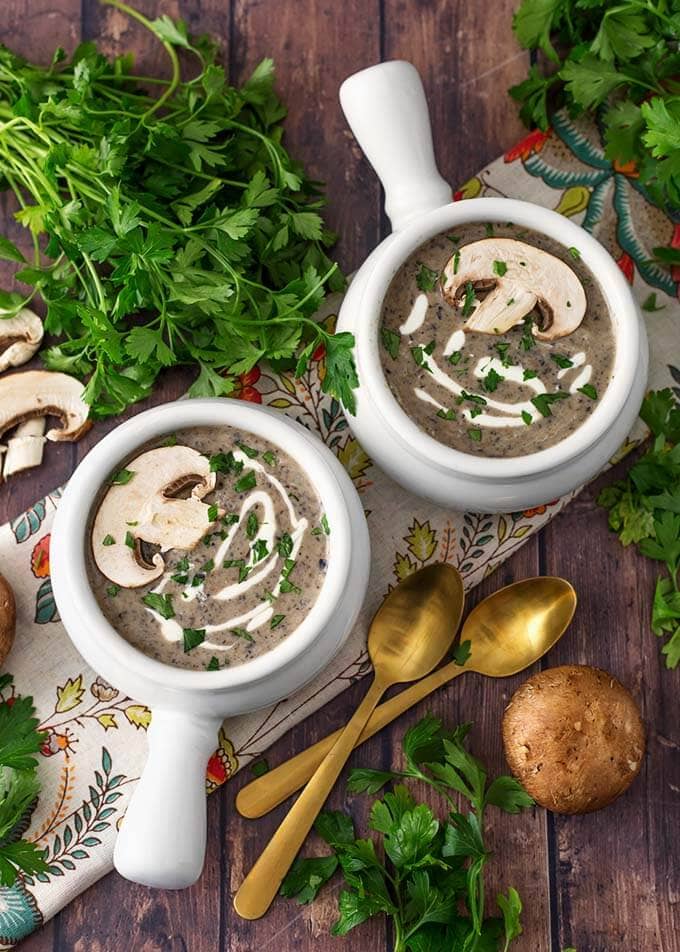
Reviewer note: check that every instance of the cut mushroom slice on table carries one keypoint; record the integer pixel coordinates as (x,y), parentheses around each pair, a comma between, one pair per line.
(24,447)
(518,279)
(40,393)
(146,509)
(20,338)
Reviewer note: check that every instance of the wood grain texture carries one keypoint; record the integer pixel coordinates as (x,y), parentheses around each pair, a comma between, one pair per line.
(600,883)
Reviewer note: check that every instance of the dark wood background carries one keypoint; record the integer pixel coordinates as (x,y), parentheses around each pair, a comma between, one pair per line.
(600,883)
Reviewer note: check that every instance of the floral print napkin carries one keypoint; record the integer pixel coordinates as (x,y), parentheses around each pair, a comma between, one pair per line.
(95,745)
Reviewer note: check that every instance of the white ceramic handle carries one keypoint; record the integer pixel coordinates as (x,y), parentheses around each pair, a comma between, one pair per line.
(162,839)
(386,108)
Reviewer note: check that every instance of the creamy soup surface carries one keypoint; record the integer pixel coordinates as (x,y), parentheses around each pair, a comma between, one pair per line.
(255,573)
(502,392)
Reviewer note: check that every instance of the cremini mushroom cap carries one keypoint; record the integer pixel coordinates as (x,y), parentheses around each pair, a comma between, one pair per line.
(518,278)
(574,738)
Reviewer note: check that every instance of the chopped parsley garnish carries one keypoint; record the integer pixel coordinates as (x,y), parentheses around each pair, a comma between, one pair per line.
(269,458)
(225,463)
(529,374)
(426,278)
(429,348)
(488,229)
(564,363)
(246,482)
(455,357)
(192,637)
(170,440)
(446,414)
(500,268)
(242,633)
(197,580)
(208,566)
(112,590)
(470,299)
(276,621)
(230,519)
(508,303)
(471,398)
(183,564)
(252,525)
(285,586)
(243,573)
(649,304)
(454,239)
(588,390)
(543,401)
(456,262)
(248,450)
(391,341)
(288,567)
(574,252)
(285,545)
(527,417)
(108,540)
(475,434)
(491,381)
(475,412)
(212,513)
(129,540)
(122,477)
(502,348)
(259,768)
(162,604)
(528,340)
(325,525)
(213,664)
(180,578)
(260,550)
(418,354)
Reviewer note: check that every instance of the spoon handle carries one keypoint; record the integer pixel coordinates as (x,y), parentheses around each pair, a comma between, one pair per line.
(261,885)
(266,792)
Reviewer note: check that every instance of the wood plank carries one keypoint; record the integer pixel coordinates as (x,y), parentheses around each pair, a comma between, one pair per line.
(309,43)
(468,58)
(616,879)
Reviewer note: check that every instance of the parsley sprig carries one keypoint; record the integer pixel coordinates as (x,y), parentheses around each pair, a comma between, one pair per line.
(619,62)
(168,229)
(19,787)
(431,880)
(644,509)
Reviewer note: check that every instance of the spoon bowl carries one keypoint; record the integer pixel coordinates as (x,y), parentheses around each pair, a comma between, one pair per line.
(517,625)
(507,632)
(416,624)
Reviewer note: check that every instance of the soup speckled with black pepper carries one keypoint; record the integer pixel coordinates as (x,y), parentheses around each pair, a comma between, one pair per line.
(209,548)
(496,340)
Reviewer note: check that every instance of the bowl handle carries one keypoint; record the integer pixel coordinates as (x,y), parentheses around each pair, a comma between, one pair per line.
(387,111)
(162,840)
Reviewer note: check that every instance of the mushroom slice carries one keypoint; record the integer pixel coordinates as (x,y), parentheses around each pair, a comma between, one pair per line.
(25,447)
(39,393)
(531,279)
(20,337)
(144,509)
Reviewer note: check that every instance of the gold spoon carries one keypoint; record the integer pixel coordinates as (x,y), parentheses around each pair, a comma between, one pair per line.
(508,632)
(410,633)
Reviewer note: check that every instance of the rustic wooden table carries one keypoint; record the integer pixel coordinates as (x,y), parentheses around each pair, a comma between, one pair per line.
(600,883)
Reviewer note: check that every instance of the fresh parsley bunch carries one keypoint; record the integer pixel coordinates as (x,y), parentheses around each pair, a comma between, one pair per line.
(427,875)
(168,228)
(619,61)
(644,508)
(19,740)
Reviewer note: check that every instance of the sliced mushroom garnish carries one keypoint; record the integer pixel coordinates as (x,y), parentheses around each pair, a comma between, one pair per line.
(142,510)
(519,279)
(20,337)
(24,447)
(39,393)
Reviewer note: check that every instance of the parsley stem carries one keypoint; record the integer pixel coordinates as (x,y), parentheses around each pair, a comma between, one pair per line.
(169,49)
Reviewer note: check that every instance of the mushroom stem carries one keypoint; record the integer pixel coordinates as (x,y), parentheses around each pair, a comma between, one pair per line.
(25,447)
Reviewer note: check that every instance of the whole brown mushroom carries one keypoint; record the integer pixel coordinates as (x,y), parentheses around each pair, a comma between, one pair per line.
(8,618)
(574,738)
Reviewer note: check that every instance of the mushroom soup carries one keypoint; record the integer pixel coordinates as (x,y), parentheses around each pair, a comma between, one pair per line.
(496,340)
(208,548)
